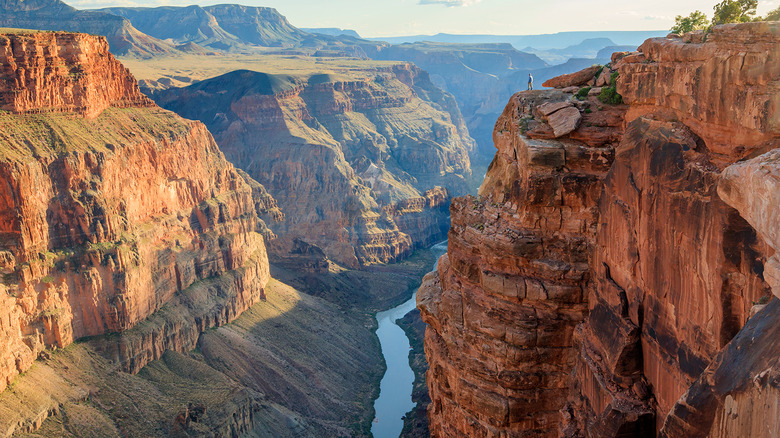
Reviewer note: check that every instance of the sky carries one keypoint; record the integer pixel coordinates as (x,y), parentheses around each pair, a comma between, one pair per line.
(385,18)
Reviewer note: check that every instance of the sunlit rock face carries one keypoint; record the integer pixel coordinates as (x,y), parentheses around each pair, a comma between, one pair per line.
(112,209)
(610,293)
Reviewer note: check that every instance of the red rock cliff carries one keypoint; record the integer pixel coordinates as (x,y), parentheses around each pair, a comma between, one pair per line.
(591,291)
(106,220)
(55,71)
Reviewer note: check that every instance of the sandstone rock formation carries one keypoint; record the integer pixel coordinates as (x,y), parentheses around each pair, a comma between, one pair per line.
(362,163)
(115,214)
(84,81)
(504,303)
(581,77)
(603,292)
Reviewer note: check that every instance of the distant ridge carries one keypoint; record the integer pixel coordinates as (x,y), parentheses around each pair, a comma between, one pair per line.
(543,42)
(123,38)
(333,31)
(236,28)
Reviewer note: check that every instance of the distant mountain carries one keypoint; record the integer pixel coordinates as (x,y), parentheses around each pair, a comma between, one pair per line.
(588,48)
(235,28)
(333,31)
(122,37)
(607,52)
(541,42)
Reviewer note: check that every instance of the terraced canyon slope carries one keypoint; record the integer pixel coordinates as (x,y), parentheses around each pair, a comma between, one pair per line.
(113,210)
(612,277)
(362,160)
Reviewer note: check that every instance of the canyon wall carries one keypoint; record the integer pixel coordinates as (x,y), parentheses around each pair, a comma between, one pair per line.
(116,216)
(603,282)
(362,162)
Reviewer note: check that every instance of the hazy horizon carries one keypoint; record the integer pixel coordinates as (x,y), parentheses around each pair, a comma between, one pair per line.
(377,18)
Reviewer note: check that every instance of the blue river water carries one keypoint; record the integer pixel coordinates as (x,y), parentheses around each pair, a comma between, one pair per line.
(395,389)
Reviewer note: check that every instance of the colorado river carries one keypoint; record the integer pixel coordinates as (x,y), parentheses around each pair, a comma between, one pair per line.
(395,390)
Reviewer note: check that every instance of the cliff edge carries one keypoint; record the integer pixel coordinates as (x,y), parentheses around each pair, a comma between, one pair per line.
(615,270)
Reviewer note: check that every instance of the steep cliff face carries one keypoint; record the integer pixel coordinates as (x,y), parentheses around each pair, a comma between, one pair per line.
(362,164)
(504,302)
(83,80)
(111,214)
(656,251)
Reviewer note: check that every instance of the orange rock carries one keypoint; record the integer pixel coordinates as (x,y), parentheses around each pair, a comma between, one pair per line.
(86,80)
(109,219)
(579,78)
(504,302)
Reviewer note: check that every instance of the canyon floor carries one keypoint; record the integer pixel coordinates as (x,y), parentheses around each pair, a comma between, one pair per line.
(303,362)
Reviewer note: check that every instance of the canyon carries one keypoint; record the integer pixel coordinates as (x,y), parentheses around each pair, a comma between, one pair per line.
(362,162)
(615,274)
(136,287)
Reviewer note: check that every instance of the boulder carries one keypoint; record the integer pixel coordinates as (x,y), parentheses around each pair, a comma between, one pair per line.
(581,77)
(564,121)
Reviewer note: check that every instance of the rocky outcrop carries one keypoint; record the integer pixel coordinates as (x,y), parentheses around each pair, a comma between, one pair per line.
(362,165)
(44,72)
(107,220)
(506,298)
(611,295)
(582,77)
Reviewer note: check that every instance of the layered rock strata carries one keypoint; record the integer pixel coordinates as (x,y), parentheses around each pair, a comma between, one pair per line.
(506,298)
(109,215)
(67,72)
(362,164)
(630,295)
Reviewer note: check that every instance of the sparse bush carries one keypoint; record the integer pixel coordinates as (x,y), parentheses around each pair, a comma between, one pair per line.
(695,21)
(583,93)
(610,96)
(773,15)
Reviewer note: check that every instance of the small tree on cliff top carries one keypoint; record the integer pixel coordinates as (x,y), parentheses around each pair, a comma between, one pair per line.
(773,15)
(697,20)
(734,11)
(727,11)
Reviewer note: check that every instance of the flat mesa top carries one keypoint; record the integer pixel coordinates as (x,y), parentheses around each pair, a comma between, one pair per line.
(183,70)
(14,31)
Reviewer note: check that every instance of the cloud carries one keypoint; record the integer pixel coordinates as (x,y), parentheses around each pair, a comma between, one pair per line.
(450,3)
(658,17)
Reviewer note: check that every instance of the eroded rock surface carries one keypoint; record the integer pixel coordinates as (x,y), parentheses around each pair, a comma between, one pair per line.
(115,216)
(621,290)
(363,165)
(506,298)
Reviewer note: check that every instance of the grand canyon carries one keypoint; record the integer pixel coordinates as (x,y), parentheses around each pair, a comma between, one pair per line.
(207,214)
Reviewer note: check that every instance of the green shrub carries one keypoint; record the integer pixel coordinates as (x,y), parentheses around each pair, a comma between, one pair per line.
(588,110)
(613,78)
(583,93)
(697,20)
(609,95)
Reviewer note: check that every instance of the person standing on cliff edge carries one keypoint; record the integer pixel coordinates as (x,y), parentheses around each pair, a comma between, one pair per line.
(530,82)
